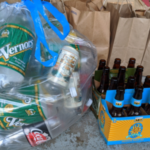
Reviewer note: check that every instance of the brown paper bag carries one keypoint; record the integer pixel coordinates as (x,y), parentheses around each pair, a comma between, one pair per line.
(136,4)
(10,1)
(59,4)
(146,58)
(95,25)
(129,35)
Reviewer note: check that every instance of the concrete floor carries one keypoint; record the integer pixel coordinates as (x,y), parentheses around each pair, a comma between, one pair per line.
(84,135)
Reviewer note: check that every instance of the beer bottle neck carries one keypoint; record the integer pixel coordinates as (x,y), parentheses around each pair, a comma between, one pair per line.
(101,67)
(138,78)
(138,95)
(113,86)
(121,78)
(104,83)
(146,84)
(131,65)
(130,84)
(116,66)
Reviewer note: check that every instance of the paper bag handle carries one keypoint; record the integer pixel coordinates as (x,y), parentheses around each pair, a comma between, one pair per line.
(63,5)
(128,6)
(92,1)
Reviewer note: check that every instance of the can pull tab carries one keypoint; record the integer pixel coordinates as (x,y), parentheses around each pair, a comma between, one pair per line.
(35,7)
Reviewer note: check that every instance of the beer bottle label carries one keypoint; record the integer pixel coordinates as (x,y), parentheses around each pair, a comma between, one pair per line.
(117,104)
(136,103)
(16,43)
(37,133)
(21,111)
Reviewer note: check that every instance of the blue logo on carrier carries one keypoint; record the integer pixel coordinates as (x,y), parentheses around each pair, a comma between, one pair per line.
(102,119)
(135,131)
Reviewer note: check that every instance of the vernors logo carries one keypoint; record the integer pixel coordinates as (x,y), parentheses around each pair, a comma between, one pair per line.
(14,122)
(6,51)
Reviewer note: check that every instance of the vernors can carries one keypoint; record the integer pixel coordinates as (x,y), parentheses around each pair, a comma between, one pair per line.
(61,72)
(16,44)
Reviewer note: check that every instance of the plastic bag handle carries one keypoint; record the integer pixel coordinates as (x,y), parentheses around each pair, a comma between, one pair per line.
(59,16)
(41,37)
(48,63)
(40,32)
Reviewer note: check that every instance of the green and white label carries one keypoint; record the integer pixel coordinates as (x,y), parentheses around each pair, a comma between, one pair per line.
(21,110)
(16,44)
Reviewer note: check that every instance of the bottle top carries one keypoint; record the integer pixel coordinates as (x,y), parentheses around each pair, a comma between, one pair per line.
(147,78)
(138,92)
(120,93)
(131,79)
(131,83)
(132,61)
(122,68)
(102,62)
(106,69)
(140,68)
(113,83)
(117,61)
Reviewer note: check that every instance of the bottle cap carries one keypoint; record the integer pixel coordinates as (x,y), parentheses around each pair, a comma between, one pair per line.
(139,68)
(138,92)
(120,90)
(102,62)
(131,79)
(73,92)
(122,68)
(132,60)
(139,88)
(114,79)
(147,78)
(106,68)
(117,61)
(120,93)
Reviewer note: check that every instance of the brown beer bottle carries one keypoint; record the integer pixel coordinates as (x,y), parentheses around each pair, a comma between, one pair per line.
(131,83)
(117,63)
(146,85)
(102,64)
(138,75)
(147,82)
(113,83)
(121,76)
(147,108)
(117,109)
(104,84)
(131,63)
(136,102)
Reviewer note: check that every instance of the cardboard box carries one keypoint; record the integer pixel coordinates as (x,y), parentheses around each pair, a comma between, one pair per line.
(123,130)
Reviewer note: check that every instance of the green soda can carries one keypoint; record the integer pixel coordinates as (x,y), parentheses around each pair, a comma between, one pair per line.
(26,106)
(16,45)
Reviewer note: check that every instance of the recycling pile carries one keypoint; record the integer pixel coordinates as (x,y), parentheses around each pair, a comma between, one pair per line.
(45,74)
